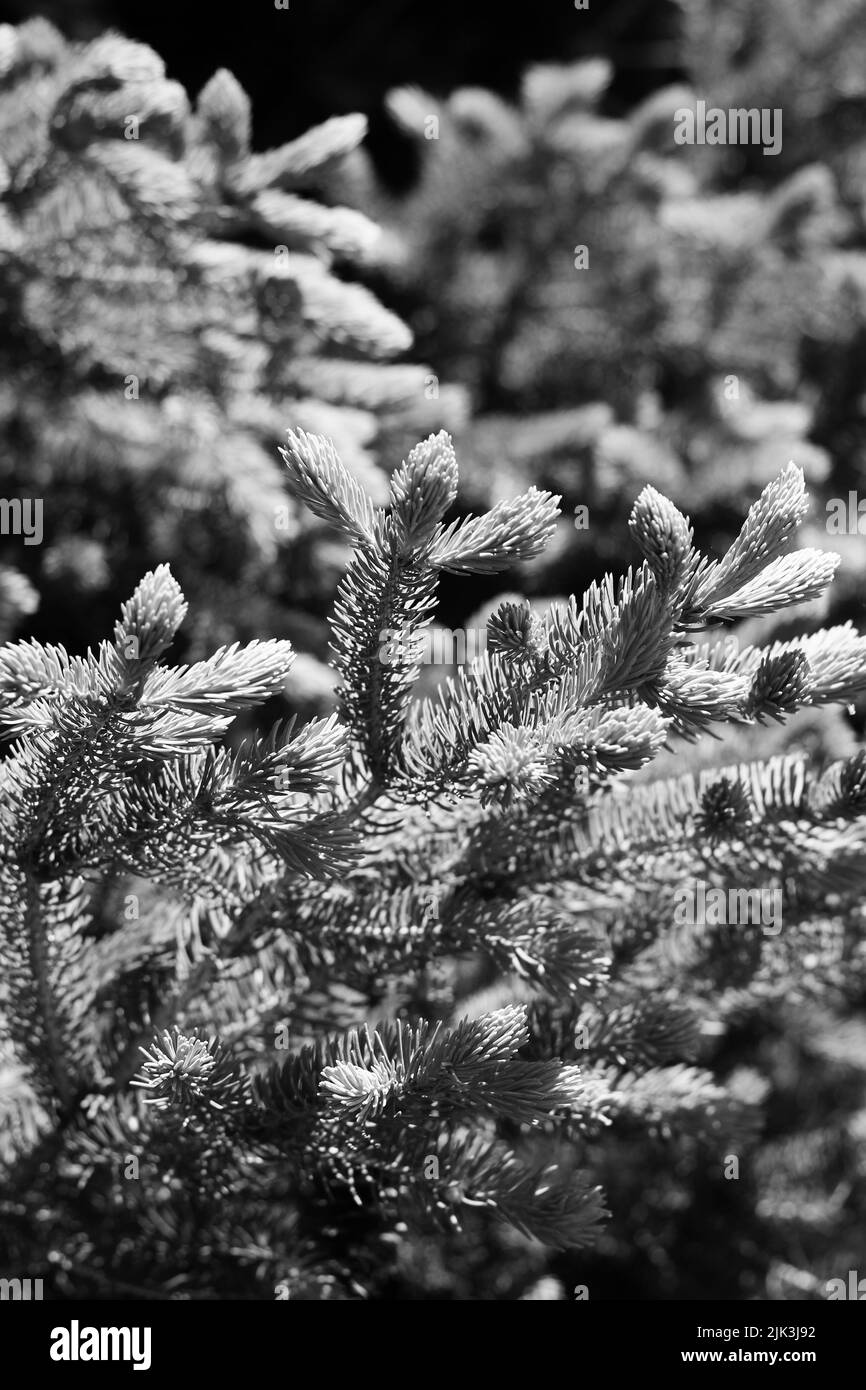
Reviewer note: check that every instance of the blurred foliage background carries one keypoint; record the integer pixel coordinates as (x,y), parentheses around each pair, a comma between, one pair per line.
(585,305)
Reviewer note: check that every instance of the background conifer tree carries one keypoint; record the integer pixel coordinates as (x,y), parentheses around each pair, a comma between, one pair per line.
(170,299)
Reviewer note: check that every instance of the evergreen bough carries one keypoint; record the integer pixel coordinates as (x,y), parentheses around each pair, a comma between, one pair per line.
(270,1004)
